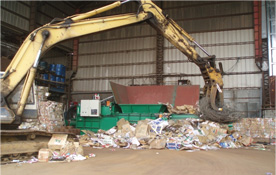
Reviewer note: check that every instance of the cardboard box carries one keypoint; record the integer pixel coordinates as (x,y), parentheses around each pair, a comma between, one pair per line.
(57,141)
(44,155)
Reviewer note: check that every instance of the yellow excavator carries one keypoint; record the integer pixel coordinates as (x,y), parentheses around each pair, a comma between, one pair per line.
(26,60)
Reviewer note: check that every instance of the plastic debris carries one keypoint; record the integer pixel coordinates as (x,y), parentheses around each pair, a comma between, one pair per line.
(32,160)
(75,157)
(15,161)
(91,155)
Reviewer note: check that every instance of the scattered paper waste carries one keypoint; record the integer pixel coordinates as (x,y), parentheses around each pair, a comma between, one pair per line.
(32,160)
(185,109)
(186,134)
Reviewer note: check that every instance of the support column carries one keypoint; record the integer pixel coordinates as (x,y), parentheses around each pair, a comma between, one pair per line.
(75,51)
(159,56)
(75,55)
(159,59)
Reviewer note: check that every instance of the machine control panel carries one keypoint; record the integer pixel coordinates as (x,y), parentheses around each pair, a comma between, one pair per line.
(90,108)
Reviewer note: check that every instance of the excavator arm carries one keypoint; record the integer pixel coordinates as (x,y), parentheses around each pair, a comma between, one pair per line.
(178,37)
(25,62)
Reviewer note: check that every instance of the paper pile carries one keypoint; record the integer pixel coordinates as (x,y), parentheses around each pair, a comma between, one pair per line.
(188,134)
(184,109)
(61,149)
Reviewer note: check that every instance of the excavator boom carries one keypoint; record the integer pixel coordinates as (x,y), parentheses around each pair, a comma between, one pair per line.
(25,62)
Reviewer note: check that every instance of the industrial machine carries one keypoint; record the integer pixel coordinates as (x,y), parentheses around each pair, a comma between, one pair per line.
(134,103)
(26,60)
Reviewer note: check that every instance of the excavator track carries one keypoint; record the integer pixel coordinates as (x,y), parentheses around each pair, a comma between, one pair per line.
(23,144)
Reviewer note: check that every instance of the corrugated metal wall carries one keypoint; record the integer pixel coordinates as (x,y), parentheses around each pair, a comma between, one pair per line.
(16,14)
(125,55)
(246,100)
(48,10)
(224,29)
(235,49)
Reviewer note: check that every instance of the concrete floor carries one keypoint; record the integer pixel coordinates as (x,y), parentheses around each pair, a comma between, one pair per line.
(157,162)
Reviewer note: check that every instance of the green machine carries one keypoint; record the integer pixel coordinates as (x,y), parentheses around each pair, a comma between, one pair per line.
(110,115)
(133,103)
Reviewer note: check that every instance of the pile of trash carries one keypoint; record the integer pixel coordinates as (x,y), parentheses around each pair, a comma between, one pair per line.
(188,134)
(50,117)
(184,109)
(60,148)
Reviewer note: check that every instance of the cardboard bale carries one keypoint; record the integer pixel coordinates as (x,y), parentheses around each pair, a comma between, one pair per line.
(261,128)
(51,115)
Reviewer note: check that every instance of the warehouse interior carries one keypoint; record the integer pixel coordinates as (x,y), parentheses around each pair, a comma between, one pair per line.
(137,58)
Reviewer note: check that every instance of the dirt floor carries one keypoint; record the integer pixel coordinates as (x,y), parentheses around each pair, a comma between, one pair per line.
(122,161)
